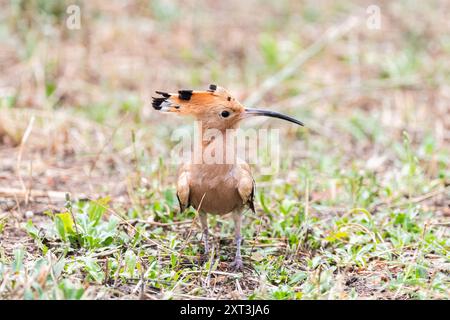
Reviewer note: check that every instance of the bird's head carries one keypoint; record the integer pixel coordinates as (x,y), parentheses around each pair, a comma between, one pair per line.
(215,108)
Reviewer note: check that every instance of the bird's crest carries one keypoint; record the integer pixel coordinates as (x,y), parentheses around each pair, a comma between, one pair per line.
(192,102)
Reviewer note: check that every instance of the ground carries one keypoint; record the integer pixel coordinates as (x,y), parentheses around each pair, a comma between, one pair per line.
(359,208)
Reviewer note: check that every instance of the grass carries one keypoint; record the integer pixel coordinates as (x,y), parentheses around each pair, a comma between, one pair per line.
(358,210)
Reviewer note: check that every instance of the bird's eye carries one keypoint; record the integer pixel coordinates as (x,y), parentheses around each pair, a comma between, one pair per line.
(225,114)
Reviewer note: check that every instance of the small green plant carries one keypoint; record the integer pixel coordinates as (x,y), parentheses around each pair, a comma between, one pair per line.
(41,279)
(81,225)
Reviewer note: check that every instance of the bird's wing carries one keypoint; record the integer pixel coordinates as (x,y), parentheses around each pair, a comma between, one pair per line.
(183,184)
(246,185)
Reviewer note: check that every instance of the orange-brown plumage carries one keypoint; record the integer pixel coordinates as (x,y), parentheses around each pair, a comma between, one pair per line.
(205,106)
(215,188)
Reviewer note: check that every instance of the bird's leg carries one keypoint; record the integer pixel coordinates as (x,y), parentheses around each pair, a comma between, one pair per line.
(237,263)
(204,222)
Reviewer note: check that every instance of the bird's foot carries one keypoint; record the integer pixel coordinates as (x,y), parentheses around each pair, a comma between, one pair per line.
(205,243)
(204,257)
(237,264)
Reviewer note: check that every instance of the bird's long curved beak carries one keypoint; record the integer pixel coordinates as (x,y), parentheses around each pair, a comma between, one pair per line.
(258,112)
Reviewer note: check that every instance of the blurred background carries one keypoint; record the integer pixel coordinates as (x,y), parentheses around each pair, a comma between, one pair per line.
(357,91)
(75,113)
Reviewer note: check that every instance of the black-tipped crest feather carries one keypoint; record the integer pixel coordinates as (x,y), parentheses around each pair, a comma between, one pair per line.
(156,103)
(185,94)
(164,94)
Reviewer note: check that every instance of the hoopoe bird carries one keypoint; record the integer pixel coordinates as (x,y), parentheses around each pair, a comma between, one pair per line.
(215,188)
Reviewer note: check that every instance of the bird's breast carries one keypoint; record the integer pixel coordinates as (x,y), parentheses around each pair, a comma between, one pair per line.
(213,188)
